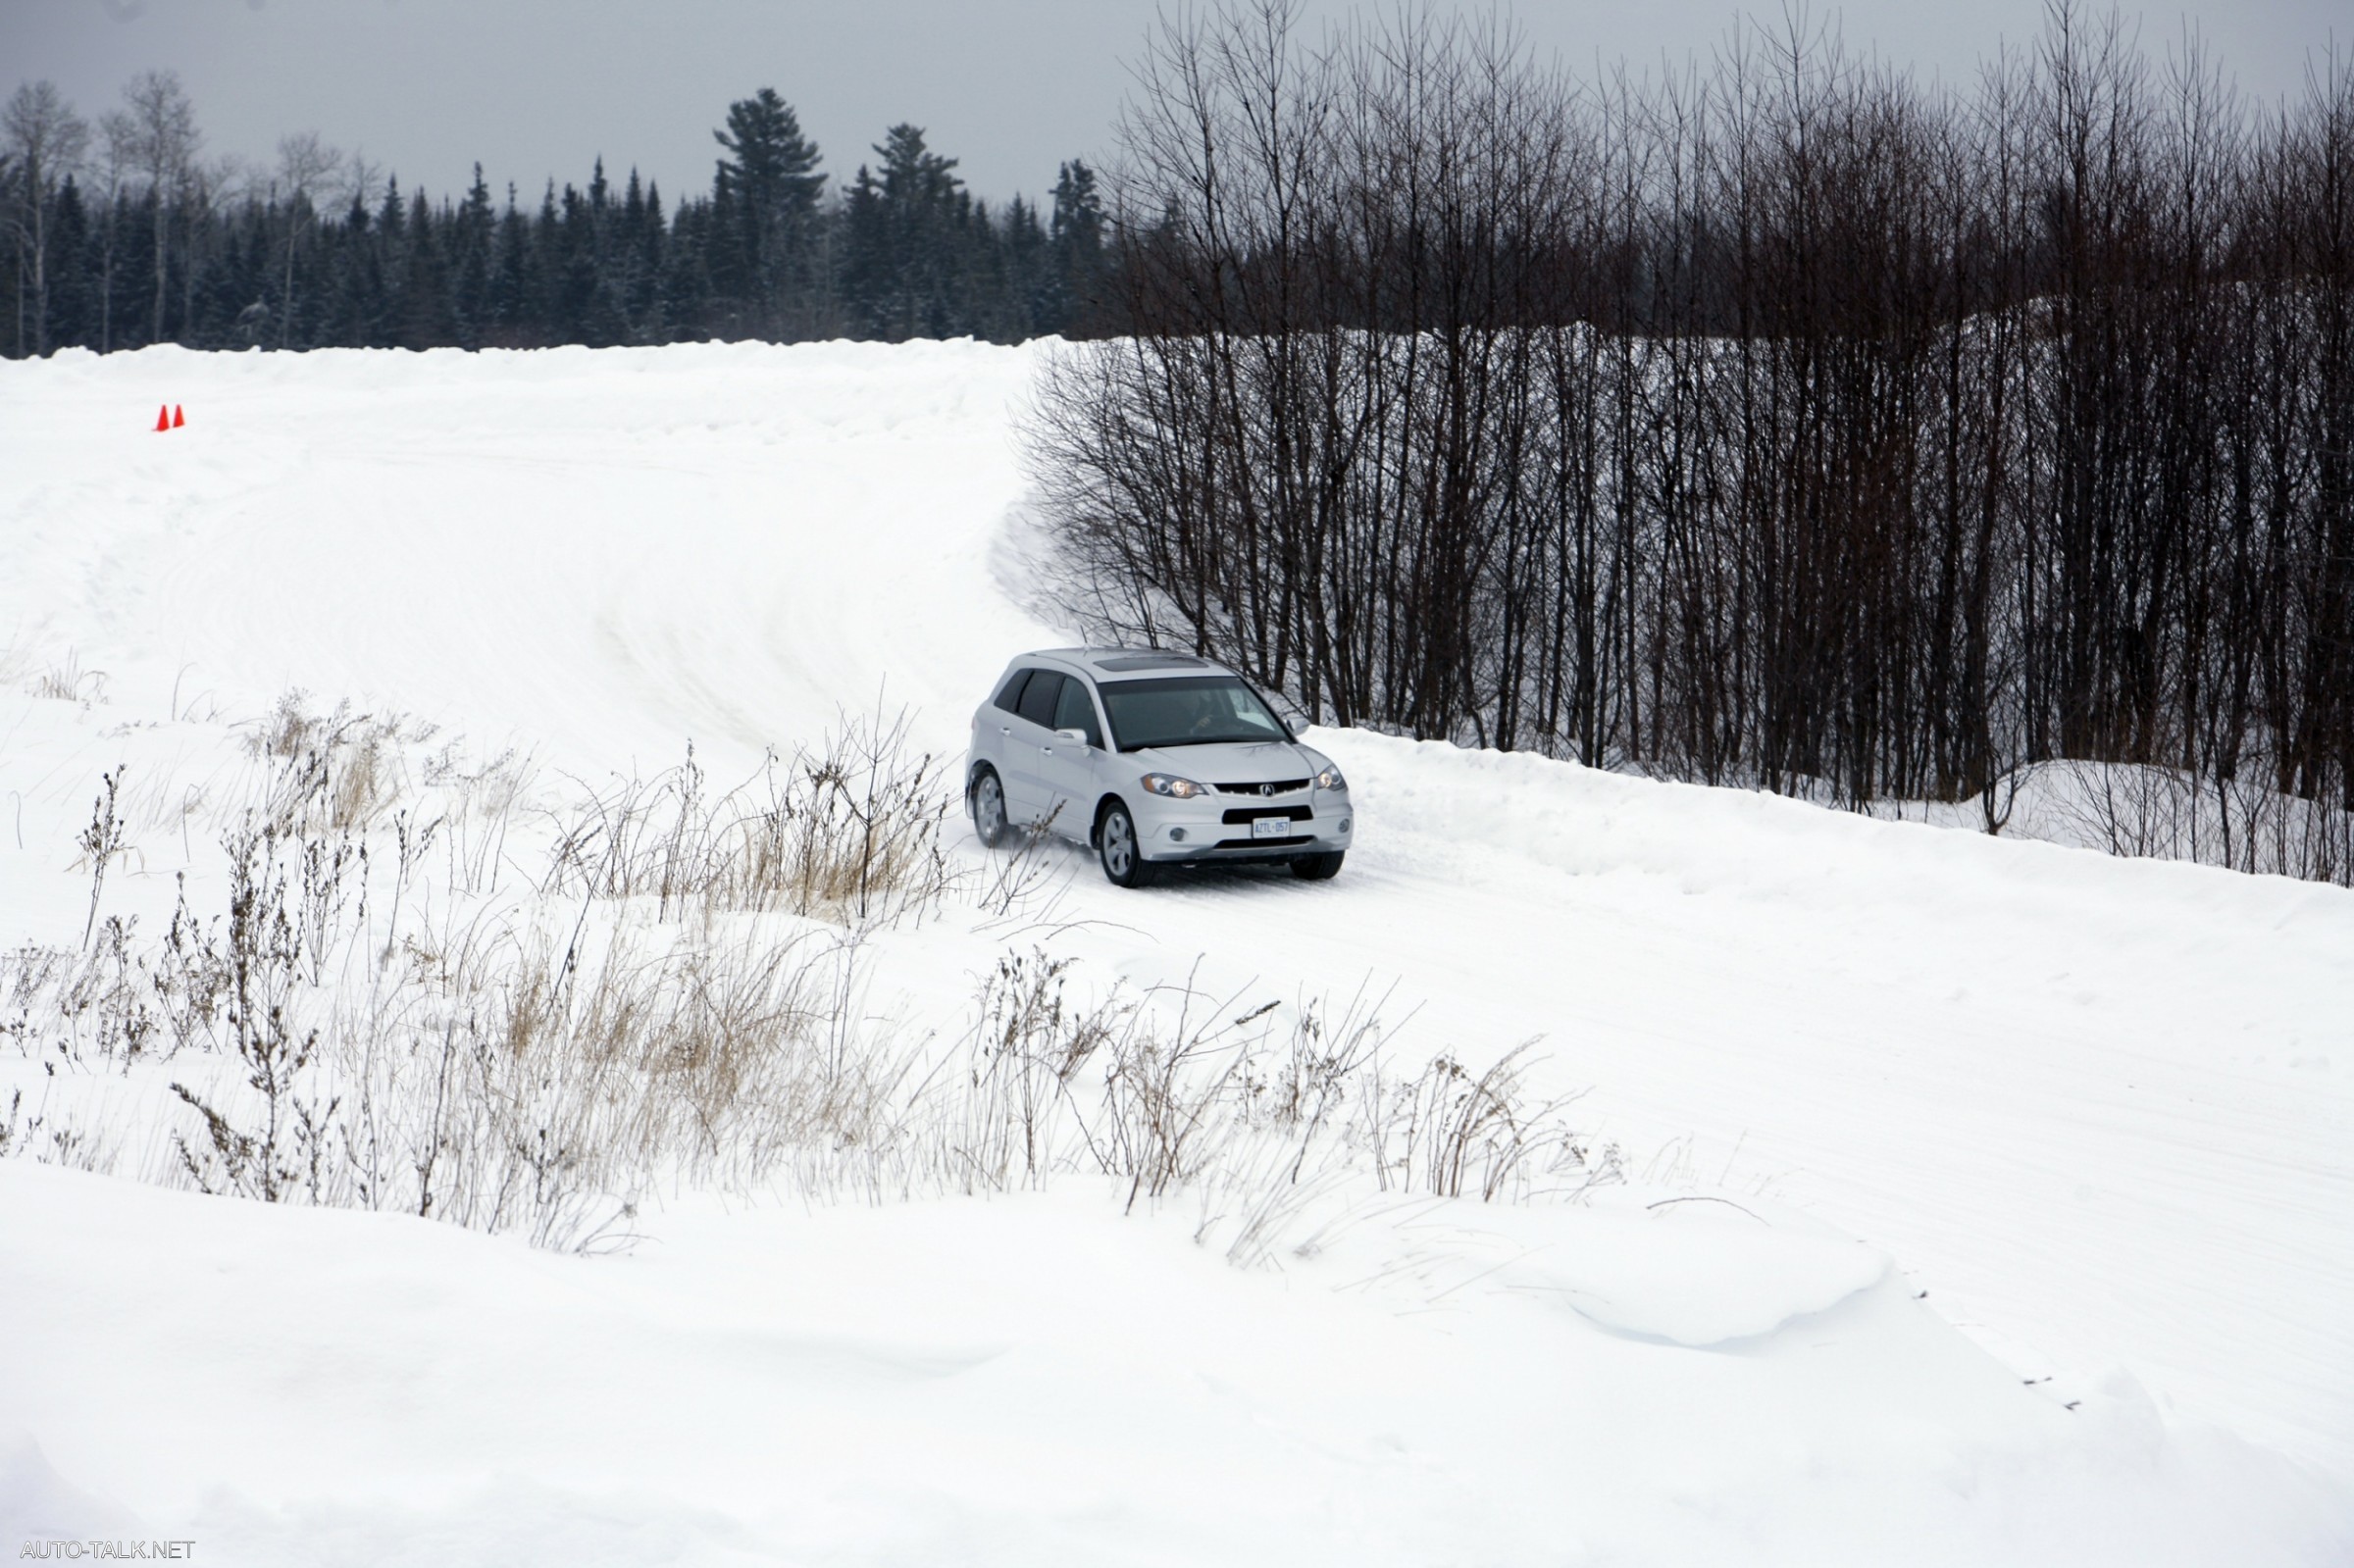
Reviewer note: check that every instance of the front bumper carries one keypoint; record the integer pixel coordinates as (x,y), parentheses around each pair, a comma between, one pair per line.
(1219,826)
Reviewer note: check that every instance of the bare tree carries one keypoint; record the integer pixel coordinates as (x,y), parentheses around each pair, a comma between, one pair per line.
(46,139)
(1786,424)
(305,166)
(156,130)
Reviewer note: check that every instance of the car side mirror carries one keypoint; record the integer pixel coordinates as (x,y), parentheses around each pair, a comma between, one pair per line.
(1076,737)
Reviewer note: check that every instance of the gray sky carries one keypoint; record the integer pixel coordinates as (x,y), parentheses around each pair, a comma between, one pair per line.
(538,87)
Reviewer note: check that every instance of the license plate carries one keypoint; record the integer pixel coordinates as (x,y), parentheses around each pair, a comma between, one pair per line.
(1271,827)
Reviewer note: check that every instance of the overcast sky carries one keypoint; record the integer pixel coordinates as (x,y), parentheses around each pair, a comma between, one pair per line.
(538,87)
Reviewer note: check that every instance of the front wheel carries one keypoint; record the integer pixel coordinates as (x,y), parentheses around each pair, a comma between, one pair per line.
(1318,867)
(1124,862)
(989,808)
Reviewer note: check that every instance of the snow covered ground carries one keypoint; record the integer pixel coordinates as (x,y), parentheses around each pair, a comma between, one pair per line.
(2044,1161)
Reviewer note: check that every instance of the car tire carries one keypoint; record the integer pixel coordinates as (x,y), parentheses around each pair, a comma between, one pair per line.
(989,808)
(1116,846)
(1318,867)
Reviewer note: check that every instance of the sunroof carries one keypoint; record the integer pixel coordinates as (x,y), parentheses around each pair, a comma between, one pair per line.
(1154,661)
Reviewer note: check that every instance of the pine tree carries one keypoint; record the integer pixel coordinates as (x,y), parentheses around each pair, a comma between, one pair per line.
(391,245)
(471,240)
(427,319)
(356,281)
(547,317)
(903,255)
(71,295)
(502,282)
(766,192)
(1031,306)
(148,240)
(638,263)
(686,285)
(596,258)
(1075,234)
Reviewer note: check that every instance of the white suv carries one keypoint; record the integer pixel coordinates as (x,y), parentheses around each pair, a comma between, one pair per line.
(1148,758)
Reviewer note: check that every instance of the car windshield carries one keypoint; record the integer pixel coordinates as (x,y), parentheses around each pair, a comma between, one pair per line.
(1187,711)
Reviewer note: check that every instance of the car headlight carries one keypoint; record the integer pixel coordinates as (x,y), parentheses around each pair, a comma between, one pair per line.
(1330,779)
(1166,784)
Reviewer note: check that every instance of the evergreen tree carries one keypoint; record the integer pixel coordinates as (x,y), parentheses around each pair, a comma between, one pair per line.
(548,319)
(686,285)
(472,238)
(71,292)
(13,254)
(1076,236)
(146,240)
(641,247)
(902,255)
(227,296)
(357,280)
(766,192)
(1030,306)
(428,317)
(510,304)
(593,265)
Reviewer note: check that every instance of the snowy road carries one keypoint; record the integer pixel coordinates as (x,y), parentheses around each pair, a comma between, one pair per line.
(2101,1111)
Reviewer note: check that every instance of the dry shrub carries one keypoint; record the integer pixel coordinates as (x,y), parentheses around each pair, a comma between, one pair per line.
(489,1072)
(851,831)
(340,768)
(1015,1114)
(345,1033)
(505,1077)
(518,1086)
(652,1009)
(1176,1090)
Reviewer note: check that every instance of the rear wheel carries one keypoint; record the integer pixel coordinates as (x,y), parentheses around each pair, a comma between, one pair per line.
(1124,863)
(1318,867)
(989,808)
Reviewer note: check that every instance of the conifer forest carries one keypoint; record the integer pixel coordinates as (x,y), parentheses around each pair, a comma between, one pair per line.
(123,233)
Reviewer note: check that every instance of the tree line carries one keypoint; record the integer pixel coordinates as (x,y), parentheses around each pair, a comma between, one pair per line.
(123,233)
(1786,423)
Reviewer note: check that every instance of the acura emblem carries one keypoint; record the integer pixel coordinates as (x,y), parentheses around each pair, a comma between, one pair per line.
(1267,788)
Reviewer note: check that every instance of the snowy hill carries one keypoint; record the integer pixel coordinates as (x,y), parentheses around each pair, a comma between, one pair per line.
(1984,1201)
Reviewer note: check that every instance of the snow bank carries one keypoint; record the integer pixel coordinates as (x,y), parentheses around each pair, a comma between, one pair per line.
(1038,1381)
(2088,1118)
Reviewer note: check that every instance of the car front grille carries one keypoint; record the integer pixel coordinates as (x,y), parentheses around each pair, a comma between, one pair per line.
(1267,844)
(1275,787)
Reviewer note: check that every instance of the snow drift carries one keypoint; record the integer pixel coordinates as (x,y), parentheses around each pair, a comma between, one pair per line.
(1986,1200)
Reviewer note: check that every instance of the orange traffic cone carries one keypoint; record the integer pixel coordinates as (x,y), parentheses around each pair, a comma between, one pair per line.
(163,419)
(178,418)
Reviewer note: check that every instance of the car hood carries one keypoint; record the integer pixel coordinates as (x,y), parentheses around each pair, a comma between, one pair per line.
(1232,763)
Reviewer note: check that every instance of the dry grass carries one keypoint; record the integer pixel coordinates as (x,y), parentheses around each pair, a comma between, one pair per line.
(1176,1090)
(849,832)
(676,994)
(62,680)
(340,770)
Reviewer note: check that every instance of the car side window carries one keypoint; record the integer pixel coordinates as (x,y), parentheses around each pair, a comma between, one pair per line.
(1039,697)
(1010,695)
(1076,710)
